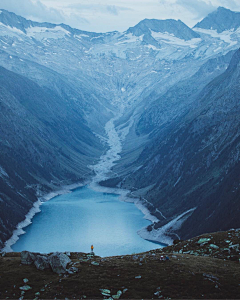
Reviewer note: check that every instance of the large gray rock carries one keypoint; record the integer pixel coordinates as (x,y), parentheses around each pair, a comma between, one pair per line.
(41,262)
(27,258)
(58,262)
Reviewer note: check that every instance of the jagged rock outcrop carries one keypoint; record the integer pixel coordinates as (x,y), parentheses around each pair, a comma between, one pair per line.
(27,258)
(41,262)
(57,261)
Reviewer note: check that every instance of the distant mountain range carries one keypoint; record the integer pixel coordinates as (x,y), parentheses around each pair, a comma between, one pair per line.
(177,88)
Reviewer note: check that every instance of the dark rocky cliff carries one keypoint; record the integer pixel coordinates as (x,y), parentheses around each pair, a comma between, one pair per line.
(44,143)
(195,161)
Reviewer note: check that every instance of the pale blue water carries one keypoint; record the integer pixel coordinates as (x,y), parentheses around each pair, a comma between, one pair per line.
(75,221)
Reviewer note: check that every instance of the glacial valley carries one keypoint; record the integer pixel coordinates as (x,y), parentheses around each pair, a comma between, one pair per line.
(153,110)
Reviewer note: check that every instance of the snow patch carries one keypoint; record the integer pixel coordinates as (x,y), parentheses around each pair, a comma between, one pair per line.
(96,37)
(130,38)
(19,231)
(40,33)
(3,173)
(171,39)
(80,36)
(11,29)
(152,47)
(224,36)
(160,235)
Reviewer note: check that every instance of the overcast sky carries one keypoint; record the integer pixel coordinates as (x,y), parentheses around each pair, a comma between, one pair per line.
(110,15)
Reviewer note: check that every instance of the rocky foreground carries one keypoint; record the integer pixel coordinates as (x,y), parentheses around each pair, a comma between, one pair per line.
(205,267)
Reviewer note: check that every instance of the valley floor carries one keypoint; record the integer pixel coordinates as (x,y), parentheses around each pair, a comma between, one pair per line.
(203,275)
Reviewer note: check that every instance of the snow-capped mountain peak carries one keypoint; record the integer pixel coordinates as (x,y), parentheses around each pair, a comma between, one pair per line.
(40,31)
(220,20)
(170,26)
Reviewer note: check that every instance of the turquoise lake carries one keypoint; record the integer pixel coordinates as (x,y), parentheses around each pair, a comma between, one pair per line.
(84,217)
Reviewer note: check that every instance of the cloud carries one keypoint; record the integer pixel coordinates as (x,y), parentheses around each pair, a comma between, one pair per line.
(231,4)
(201,8)
(198,8)
(35,10)
(99,8)
(32,9)
(109,15)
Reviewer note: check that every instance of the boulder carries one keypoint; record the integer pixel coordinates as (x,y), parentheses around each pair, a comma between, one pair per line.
(27,258)
(41,262)
(213,246)
(204,240)
(72,270)
(58,262)
(25,288)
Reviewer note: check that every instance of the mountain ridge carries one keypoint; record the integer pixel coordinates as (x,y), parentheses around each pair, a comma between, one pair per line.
(177,28)
(221,20)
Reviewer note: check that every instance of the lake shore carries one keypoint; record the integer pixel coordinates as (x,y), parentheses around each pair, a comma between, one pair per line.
(34,210)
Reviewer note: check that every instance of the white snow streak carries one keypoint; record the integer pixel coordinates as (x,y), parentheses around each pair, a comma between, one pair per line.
(19,231)
(107,160)
(3,173)
(45,33)
(33,211)
(130,38)
(171,39)
(159,235)
(224,36)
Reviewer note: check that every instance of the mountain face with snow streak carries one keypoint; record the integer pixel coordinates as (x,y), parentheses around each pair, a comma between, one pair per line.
(155,73)
(221,20)
(192,161)
(172,27)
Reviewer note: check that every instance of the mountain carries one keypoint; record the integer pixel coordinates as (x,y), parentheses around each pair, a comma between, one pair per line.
(172,27)
(182,96)
(14,21)
(220,20)
(45,143)
(190,166)
(60,86)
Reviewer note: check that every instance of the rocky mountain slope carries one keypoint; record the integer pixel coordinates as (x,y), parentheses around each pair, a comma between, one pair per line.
(60,86)
(220,20)
(194,271)
(45,143)
(193,162)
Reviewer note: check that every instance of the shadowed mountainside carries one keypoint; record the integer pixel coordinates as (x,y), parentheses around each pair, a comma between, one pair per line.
(45,143)
(194,162)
